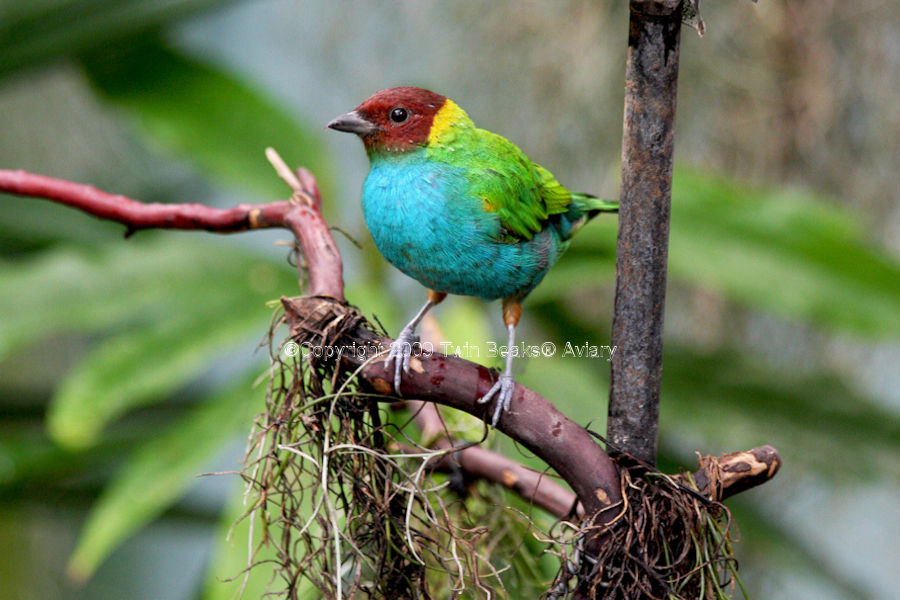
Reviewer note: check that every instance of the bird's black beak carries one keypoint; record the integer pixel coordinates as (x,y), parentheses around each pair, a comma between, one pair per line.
(352,122)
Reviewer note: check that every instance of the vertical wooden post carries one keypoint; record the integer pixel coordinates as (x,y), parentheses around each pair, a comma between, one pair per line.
(651,83)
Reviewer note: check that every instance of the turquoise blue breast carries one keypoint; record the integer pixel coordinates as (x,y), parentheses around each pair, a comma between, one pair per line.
(426,224)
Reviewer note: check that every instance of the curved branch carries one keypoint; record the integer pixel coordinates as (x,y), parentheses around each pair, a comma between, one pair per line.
(533,420)
(718,477)
(477,462)
(139,215)
(301,215)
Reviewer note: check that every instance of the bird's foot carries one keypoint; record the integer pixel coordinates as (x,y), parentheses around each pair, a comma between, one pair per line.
(503,389)
(398,357)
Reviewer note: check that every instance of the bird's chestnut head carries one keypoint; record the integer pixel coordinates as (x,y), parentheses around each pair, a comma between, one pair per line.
(393,120)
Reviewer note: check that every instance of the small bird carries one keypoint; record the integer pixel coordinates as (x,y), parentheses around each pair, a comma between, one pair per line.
(460,209)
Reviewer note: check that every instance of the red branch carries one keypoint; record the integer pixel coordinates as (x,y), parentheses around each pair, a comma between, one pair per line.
(533,420)
(139,215)
(480,463)
(299,215)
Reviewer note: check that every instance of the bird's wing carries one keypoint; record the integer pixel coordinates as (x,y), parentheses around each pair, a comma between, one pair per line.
(522,194)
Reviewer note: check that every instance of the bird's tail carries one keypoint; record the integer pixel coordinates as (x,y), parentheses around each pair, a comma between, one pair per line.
(583,208)
(592,205)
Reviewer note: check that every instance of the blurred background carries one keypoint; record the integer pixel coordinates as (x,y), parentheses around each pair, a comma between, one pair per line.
(126,367)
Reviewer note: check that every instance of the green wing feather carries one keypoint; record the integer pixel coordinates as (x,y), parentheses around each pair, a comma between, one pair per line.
(525,195)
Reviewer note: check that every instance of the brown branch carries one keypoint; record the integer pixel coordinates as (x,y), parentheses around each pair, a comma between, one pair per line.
(718,477)
(534,486)
(532,420)
(139,215)
(480,463)
(300,215)
(721,477)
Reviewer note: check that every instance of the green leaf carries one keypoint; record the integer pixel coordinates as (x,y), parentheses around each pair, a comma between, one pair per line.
(735,402)
(39,31)
(158,473)
(205,115)
(141,366)
(175,306)
(57,292)
(78,290)
(31,464)
(785,252)
(781,251)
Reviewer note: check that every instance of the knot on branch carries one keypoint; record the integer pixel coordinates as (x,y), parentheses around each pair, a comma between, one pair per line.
(321,321)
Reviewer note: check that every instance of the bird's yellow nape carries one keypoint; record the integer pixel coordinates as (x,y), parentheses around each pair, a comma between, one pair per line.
(442,125)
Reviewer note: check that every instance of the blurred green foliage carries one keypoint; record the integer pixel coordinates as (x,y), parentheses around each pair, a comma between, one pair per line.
(126,367)
(218,123)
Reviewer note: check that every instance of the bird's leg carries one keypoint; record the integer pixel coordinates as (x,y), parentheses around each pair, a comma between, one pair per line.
(505,385)
(401,348)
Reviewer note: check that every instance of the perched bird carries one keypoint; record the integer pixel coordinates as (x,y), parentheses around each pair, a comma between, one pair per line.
(460,209)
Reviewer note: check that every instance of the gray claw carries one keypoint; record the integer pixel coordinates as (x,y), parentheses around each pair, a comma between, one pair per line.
(401,350)
(505,385)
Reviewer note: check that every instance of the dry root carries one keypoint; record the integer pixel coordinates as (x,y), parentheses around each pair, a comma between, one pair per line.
(346,509)
(342,506)
(667,541)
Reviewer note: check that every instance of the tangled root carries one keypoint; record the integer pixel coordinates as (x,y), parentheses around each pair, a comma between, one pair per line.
(666,542)
(345,497)
(342,498)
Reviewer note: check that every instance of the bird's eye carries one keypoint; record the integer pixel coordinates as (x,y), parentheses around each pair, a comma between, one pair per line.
(399,114)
